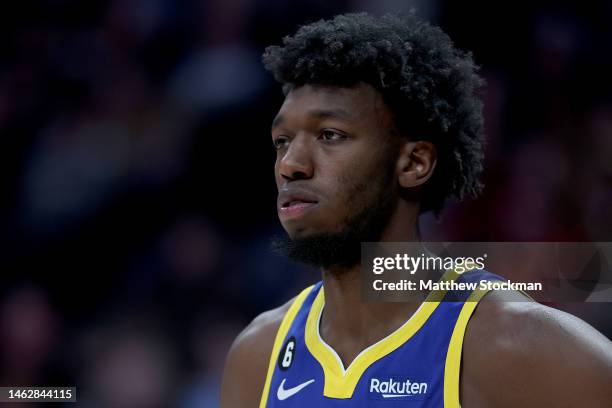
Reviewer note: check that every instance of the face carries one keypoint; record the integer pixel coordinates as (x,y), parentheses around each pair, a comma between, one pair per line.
(335,158)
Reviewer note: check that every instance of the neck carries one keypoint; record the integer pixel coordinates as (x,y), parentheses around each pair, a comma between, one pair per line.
(348,324)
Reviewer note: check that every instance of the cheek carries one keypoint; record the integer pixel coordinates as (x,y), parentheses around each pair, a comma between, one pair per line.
(358,185)
(350,189)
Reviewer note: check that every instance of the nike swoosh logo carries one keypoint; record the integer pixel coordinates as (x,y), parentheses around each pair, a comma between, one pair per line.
(283,393)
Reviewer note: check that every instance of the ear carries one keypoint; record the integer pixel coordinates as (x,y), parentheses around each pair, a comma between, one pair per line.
(415,163)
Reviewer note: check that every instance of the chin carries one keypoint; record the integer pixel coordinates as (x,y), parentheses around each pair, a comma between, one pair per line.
(302,228)
(309,232)
(300,233)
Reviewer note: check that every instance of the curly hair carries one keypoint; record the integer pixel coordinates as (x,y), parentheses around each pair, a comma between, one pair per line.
(429,85)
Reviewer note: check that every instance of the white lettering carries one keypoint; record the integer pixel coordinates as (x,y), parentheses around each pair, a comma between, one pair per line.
(374,383)
(377,267)
(392,388)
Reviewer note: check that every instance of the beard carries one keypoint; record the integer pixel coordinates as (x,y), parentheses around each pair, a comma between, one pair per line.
(343,248)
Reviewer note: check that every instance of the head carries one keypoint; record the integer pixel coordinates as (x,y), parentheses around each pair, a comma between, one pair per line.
(380,123)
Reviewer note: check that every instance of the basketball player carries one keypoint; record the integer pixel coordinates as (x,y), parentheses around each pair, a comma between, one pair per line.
(380,124)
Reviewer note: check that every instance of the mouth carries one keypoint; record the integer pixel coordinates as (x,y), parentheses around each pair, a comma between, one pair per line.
(295,207)
(296,203)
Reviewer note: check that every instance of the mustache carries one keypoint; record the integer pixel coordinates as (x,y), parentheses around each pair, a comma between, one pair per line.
(298,187)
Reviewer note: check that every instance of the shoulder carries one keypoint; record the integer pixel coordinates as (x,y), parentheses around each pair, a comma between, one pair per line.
(246,365)
(519,352)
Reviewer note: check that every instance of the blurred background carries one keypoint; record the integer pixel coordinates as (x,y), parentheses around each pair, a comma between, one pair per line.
(137,181)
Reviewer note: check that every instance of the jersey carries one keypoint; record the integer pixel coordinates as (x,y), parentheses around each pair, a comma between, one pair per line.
(418,365)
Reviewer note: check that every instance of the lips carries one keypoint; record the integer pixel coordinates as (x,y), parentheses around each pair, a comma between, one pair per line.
(294,204)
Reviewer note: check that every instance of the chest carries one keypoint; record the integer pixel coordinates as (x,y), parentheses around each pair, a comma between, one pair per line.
(407,368)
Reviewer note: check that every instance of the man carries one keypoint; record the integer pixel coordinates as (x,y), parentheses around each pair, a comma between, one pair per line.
(380,124)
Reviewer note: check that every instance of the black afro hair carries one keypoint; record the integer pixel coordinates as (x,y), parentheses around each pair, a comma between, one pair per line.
(429,85)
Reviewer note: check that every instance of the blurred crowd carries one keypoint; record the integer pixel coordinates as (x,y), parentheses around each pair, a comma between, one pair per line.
(139,193)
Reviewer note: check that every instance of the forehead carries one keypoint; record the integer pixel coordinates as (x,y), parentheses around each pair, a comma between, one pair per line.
(359,103)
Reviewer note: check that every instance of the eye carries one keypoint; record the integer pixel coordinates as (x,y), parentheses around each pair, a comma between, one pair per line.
(332,135)
(280,142)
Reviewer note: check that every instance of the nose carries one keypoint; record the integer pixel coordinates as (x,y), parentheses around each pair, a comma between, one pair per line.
(296,162)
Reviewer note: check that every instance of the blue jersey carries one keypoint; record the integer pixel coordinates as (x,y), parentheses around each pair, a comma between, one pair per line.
(417,365)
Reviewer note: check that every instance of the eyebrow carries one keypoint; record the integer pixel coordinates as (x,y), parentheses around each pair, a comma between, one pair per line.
(337,113)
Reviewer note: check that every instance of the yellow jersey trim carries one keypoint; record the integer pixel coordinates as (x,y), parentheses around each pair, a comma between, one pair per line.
(341,383)
(452,367)
(278,341)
